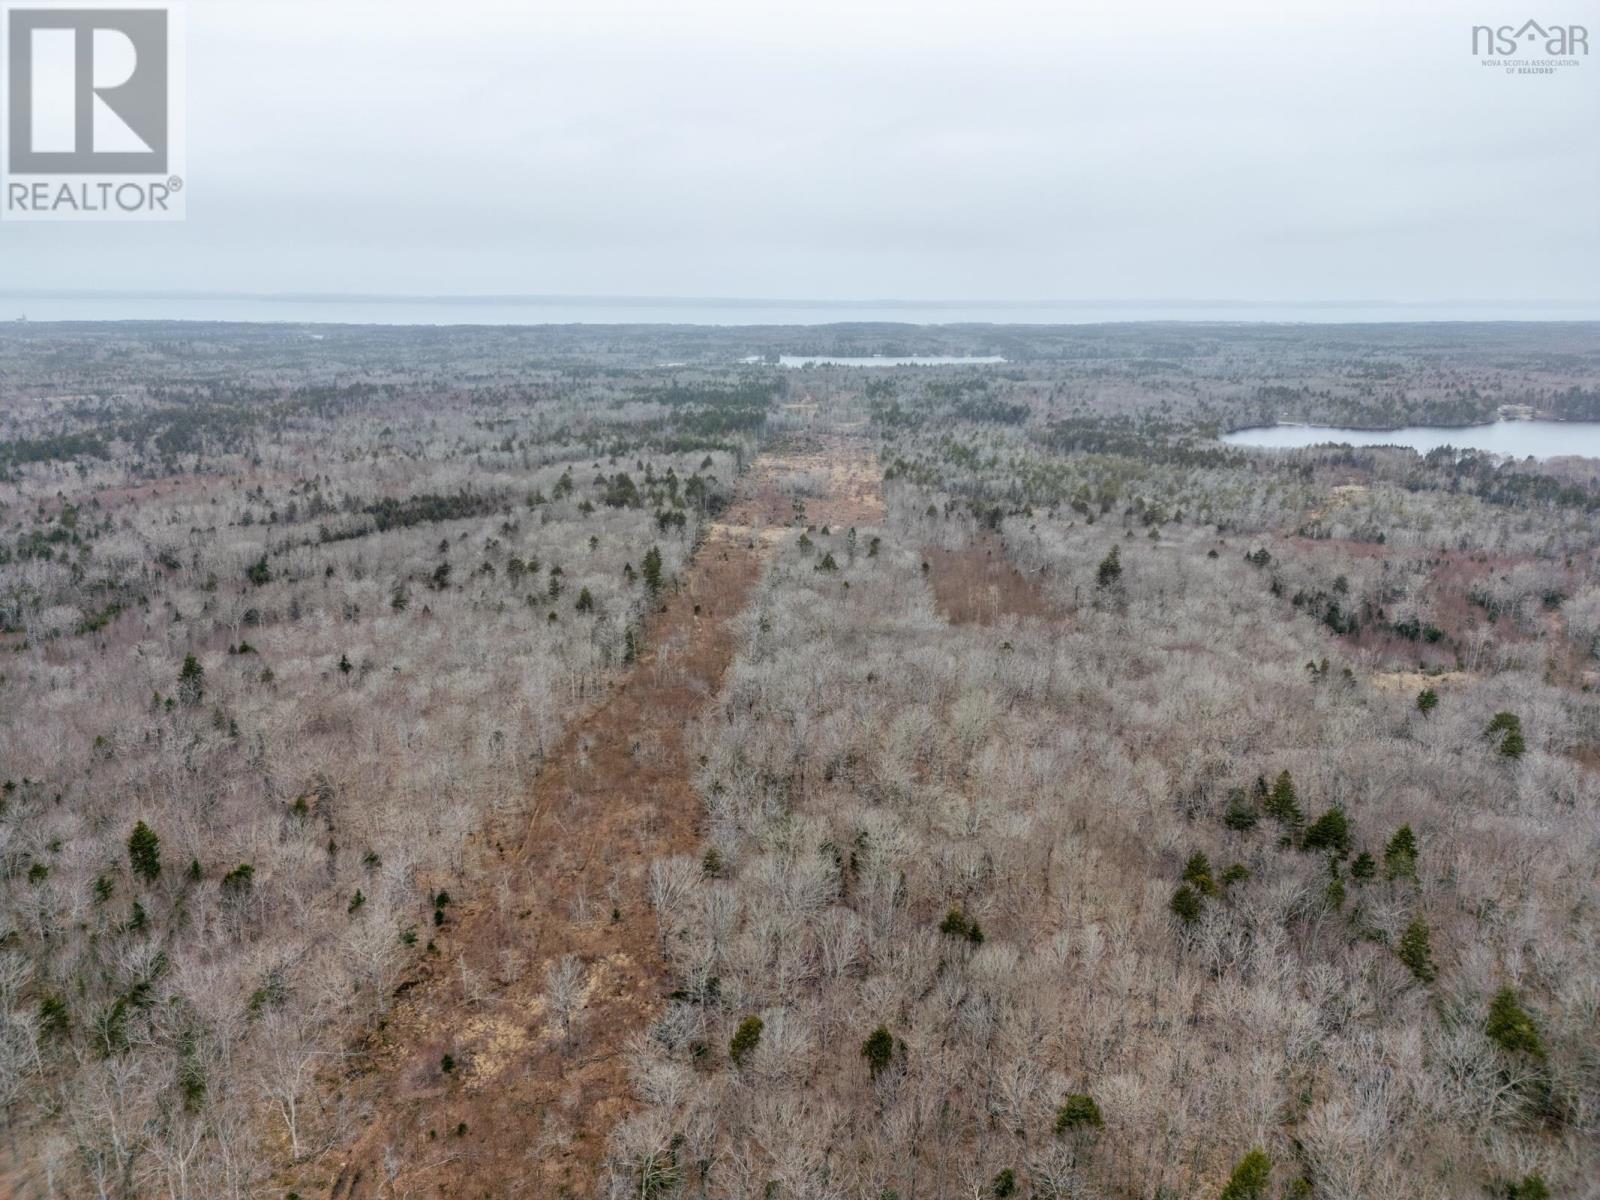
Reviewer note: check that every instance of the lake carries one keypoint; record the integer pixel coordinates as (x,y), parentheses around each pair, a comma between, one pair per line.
(1518,439)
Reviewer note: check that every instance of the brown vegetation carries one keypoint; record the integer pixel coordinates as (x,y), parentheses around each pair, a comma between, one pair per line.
(978,585)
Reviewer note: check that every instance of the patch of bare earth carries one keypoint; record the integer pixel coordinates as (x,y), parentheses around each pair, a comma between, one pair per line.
(537,1073)
(1418,681)
(978,585)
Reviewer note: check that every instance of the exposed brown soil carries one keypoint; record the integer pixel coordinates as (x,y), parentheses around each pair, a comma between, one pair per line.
(979,585)
(1414,682)
(526,1107)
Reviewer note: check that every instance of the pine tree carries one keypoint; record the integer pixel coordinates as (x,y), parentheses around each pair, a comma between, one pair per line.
(1427,701)
(878,1050)
(585,601)
(144,852)
(1400,855)
(1364,867)
(1249,1179)
(1198,873)
(1509,727)
(1186,904)
(1330,831)
(745,1039)
(1079,1112)
(652,570)
(1282,804)
(345,666)
(1240,815)
(1511,1027)
(1416,950)
(1109,571)
(238,883)
(191,681)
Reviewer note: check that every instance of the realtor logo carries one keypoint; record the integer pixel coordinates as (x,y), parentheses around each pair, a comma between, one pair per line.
(93,111)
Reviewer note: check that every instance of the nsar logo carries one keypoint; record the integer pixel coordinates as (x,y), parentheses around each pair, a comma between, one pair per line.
(1531,48)
(93,112)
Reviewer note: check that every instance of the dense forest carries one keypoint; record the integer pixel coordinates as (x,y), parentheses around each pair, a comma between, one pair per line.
(1038,797)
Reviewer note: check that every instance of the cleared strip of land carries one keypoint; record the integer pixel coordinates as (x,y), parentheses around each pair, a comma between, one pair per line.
(501,1069)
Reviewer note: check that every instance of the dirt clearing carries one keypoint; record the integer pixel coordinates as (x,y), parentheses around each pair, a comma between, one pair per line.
(978,585)
(502,1066)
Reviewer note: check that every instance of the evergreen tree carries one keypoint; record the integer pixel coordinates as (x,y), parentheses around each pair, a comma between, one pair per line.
(1416,950)
(957,924)
(745,1039)
(585,601)
(1282,804)
(1508,727)
(1109,571)
(1186,904)
(652,570)
(345,666)
(1427,701)
(878,1050)
(144,852)
(191,681)
(1501,722)
(1078,1112)
(1364,867)
(1330,831)
(1511,1027)
(1240,815)
(1400,855)
(238,883)
(1197,872)
(1532,1187)
(1249,1179)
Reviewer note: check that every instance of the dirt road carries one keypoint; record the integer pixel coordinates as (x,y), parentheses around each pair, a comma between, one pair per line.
(481,1082)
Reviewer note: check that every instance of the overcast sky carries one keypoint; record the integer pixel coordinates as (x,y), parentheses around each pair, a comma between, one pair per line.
(1262,149)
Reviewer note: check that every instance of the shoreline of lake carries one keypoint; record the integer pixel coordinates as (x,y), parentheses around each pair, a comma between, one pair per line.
(1540,438)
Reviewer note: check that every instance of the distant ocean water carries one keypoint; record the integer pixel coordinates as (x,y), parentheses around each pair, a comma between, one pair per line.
(304,310)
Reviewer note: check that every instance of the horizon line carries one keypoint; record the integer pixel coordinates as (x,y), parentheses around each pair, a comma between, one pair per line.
(537,299)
